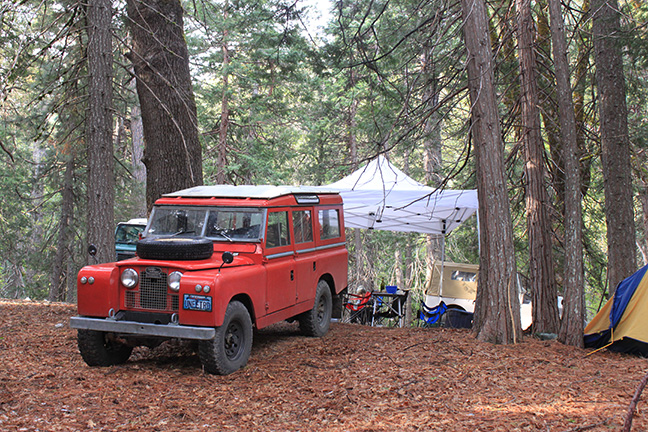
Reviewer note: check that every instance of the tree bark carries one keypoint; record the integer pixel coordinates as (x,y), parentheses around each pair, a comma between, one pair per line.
(581,73)
(172,154)
(541,269)
(497,310)
(615,142)
(58,285)
(549,110)
(221,173)
(432,157)
(571,328)
(139,170)
(101,180)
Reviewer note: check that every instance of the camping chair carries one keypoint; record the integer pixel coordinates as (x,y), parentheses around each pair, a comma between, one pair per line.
(358,308)
(431,316)
(387,308)
(457,318)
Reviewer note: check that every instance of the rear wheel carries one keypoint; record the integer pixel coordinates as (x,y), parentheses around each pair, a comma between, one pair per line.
(230,349)
(98,349)
(316,322)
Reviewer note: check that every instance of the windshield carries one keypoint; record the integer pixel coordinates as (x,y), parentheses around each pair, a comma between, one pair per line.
(217,223)
(128,234)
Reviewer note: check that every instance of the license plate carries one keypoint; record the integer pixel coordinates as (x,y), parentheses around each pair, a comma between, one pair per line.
(197,302)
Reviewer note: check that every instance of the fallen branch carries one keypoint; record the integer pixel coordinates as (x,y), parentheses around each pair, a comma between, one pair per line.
(592,426)
(633,404)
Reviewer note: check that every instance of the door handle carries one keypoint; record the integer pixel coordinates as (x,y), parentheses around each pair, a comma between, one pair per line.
(292,275)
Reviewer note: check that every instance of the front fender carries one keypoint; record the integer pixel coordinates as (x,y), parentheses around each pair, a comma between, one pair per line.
(96,299)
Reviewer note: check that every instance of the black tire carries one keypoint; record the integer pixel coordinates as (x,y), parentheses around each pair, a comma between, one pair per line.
(175,248)
(98,350)
(230,349)
(316,322)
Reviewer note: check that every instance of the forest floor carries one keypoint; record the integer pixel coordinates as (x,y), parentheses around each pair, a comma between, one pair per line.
(357,378)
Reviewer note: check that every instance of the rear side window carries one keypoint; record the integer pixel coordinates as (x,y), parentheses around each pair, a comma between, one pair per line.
(277,233)
(329,221)
(303,226)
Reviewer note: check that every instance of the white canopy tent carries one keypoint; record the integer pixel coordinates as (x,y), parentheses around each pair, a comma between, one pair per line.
(380,196)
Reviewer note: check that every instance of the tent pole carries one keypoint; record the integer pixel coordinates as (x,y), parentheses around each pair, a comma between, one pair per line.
(443,241)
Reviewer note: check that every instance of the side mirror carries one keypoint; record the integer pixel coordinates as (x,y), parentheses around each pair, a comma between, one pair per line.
(227,257)
(92,250)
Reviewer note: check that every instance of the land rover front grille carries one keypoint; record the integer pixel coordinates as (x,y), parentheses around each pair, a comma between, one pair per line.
(152,293)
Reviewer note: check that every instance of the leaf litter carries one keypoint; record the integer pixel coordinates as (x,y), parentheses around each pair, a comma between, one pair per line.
(356,378)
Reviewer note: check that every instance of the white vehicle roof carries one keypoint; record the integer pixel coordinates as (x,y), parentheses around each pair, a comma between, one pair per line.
(247,191)
(136,221)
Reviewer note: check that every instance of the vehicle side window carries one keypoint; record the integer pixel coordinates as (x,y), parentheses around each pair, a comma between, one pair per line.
(277,233)
(329,221)
(303,226)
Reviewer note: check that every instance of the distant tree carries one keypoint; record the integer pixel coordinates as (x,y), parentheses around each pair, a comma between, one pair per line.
(615,142)
(172,153)
(497,308)
(101,182)
(57,290)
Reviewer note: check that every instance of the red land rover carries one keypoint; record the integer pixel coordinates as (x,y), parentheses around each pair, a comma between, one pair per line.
(213,262)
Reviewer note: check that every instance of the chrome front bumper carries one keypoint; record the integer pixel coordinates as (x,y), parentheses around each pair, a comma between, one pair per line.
(142,329)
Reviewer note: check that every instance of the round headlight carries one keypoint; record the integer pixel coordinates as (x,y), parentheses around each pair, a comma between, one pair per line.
(129,278)
(174,281)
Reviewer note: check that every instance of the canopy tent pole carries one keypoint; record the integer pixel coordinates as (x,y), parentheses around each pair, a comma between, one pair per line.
(443,243)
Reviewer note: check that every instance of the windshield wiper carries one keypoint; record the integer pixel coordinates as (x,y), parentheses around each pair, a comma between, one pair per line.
(226,236)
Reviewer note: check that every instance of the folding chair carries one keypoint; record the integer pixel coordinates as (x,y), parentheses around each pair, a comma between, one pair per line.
(389,307)
(431,316)
(359,308)
(457,318)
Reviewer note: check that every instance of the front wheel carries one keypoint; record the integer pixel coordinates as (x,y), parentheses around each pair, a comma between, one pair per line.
(98,349)
(316,322)
(230,349)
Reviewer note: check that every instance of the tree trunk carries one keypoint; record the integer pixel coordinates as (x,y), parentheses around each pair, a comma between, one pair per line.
(571,328)
(139,170)
(172,154)
(59,282)
(363,277)
(497,309)
(137,138)
(432,157)
(615,142)
(221,173)
(581,73)
(541,269)
(549,110)
(101,180)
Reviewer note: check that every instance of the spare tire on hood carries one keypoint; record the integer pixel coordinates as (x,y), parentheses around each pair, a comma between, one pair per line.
(175,248)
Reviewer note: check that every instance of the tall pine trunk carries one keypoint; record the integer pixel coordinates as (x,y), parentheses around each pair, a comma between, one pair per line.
(615,142)
(172,154)
(497,309)
(571,328)
(101,180)
(541,269)
(221,172)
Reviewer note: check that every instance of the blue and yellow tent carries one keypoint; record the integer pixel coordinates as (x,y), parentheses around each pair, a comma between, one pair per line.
(621,324)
